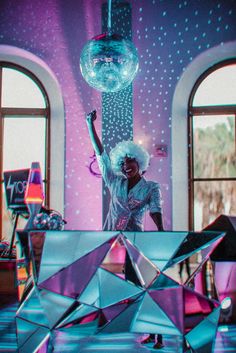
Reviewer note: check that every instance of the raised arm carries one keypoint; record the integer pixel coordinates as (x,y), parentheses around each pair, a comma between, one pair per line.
(96,143)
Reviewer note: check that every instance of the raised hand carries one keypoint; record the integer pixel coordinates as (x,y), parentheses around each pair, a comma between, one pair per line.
(90,117)
(97,145)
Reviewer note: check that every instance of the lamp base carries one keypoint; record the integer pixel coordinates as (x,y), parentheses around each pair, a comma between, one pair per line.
(34,209)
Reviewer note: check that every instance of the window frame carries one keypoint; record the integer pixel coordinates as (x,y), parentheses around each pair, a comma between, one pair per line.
(30,112)
(201,111)
(179,129)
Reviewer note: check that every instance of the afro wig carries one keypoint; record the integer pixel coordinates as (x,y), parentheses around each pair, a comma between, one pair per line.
(132,150)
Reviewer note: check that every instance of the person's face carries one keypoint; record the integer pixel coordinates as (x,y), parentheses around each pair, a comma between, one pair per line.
(130,167)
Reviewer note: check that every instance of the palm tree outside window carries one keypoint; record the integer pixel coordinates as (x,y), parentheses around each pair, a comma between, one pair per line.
(212,145)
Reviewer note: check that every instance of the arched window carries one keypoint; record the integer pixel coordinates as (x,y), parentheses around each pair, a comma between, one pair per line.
(25,121)
(212,145)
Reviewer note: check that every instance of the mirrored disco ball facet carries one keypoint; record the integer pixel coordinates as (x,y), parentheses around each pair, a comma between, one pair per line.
(109,63)
(40,221)
(55,221)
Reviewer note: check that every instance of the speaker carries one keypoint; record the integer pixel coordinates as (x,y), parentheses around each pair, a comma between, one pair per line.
(226,250)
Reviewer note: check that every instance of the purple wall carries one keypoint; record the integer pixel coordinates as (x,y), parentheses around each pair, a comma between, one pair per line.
(168,35)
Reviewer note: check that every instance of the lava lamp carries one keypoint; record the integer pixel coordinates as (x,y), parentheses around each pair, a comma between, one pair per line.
(34,195)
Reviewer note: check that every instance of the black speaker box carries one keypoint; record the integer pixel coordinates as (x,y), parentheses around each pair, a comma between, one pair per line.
(226,250)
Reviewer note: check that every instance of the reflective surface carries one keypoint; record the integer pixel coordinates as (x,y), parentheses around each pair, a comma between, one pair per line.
(105,283)
(109,63)
(69,341)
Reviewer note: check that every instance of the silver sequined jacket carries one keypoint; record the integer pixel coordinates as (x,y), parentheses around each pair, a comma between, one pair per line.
(127,209)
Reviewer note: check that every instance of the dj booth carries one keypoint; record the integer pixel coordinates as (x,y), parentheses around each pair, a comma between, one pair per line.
(110,282)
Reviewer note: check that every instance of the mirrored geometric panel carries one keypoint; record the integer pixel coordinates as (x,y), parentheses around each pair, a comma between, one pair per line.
(194,242)
(28,286)
(76,315)
(196,261)
(26,252)
(191,255)
(163,282)
(123,321)
(150,318)
(202,337)
(73,279)
(118,289)
(196,308)
(31,310)
(68,246)
(208,250)
(131,274)
(64,246)
(114,287)
(171,302)
(99,294)
(115,258)
(30,336)
(113,311)
(91,294)
(45,345)
(145,270)
(25,330)
(184,271)
(85,325)
(36,246)
(55,306)
(159,247)
(129,263)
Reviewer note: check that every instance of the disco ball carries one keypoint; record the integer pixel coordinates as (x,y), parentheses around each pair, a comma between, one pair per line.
(109,62)
(40,221)
(55,221)
(51,220)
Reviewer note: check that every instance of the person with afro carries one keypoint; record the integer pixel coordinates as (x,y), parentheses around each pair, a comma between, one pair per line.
(131,194)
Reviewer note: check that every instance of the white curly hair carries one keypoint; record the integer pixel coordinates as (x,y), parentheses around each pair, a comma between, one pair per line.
(132,150)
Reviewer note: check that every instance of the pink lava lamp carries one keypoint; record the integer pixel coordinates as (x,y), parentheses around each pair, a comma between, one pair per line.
(34,195)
